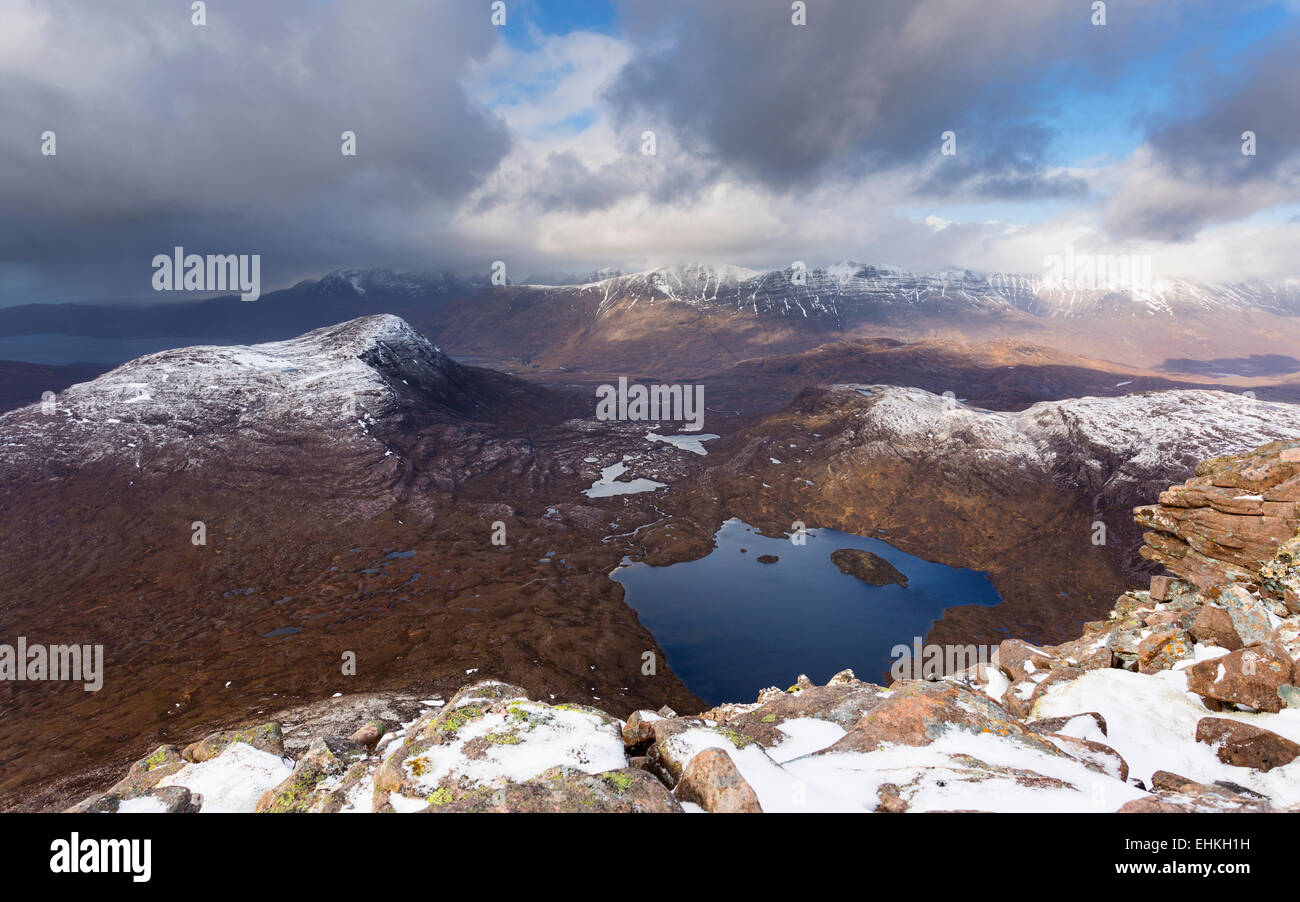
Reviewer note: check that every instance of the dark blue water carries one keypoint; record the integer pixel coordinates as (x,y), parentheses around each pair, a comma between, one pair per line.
(731,626)
(60,349)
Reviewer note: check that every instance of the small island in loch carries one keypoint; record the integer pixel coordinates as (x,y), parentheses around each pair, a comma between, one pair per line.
(869,568)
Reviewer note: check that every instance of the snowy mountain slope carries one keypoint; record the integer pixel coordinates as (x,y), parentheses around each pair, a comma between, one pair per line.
(845,287)
(339,384)
(1123,449)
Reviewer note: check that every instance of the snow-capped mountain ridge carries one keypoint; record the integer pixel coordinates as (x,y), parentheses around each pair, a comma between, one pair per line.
(337,381)
(842,287)
(849,286)
(1124,448)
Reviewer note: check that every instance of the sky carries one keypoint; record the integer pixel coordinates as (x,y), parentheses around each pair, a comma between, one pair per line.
(526,141)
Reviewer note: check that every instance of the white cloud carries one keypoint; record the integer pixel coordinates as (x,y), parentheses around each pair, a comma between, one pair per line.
(538,90)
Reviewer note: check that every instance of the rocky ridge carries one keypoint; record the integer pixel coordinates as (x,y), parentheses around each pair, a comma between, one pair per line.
(1220,527)
(1183,699)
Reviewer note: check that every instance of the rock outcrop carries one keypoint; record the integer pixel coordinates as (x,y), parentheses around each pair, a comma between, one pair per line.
(1222,526)
(984,740)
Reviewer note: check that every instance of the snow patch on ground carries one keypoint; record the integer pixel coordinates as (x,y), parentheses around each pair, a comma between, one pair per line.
(234,780)
(1151,721)
(520,745)
(804,735)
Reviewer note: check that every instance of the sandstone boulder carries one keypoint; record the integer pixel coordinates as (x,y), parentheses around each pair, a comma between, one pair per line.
(917,713)
(1248,676)
(1057,724)
(1225,524)
(679,740)
(487,748)
(159,800)
(1246,745)
(1152,805)
(369,734)
(1095,755)
(1020,661)
(712,781)
(1213,626)
(1220,796)
(891,799)
(1163,648)
(561,789)
(638,731)
(148,771)
(842,703)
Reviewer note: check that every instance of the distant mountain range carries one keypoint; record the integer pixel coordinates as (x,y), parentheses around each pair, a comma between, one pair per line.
(849,287)
(694,317)
(833,291)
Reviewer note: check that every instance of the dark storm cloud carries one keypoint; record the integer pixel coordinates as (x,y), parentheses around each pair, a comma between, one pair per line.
(226,138)
(562,182)
(865,86)
(999,165)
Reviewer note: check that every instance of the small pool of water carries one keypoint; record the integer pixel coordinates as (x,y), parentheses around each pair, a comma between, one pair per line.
(731,626)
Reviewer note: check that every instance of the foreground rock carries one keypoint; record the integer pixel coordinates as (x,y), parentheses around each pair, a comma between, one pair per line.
(311,785)
(1223,525)
(712,781)
(943,745)
(1248,676)
(1244,745)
